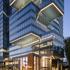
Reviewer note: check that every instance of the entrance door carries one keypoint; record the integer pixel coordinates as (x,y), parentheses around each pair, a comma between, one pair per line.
(45,63)
(30,62)
(36,62)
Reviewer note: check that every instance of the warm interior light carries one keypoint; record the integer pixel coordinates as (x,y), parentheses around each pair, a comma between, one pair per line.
(26,40)
(44,61)
(30,34)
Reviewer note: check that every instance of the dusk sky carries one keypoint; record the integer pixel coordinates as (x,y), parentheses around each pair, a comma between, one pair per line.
(67,19)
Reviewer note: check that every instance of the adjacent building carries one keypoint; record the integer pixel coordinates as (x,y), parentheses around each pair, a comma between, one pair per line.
(35,38)
(4,28)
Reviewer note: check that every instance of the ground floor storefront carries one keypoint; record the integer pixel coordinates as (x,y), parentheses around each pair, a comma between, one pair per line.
(32,62)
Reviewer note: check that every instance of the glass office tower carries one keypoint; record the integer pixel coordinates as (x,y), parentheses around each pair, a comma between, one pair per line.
(4,31)
(36,39)
(4,28)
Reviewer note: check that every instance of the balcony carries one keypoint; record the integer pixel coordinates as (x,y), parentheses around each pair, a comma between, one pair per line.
(46,45)
(18,4)
(40,3)
(22,45)
(30,7)
(25,23)
(26,40)
(48,13)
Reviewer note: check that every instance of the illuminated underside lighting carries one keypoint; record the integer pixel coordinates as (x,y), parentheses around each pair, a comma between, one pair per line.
(26,40)
(48,13)
(3,50)
(23,41)
(19,4)
(22,3)
(12,2)
(40,40)
(52,4)
(58,9)
(28,35)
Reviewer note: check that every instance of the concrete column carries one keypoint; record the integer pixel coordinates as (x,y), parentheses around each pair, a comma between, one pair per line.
(21,63)
(61,67)
(50,63)
(57,65)
(30,62)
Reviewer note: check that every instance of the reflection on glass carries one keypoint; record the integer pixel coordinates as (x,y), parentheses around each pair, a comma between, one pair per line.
(24,63)
(36,63)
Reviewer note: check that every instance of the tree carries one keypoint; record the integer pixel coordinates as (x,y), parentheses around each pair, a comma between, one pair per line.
(67,48)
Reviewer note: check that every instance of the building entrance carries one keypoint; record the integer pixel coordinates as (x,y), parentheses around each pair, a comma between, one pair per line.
(31,62)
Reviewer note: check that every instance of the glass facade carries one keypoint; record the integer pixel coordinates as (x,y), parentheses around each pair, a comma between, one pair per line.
(31,34)
(4,28)
(26,23)
(34,17)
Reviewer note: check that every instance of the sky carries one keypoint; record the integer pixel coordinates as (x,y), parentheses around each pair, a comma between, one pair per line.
(67,18)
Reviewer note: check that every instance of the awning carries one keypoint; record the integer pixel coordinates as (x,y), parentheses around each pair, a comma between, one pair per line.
(48,13)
